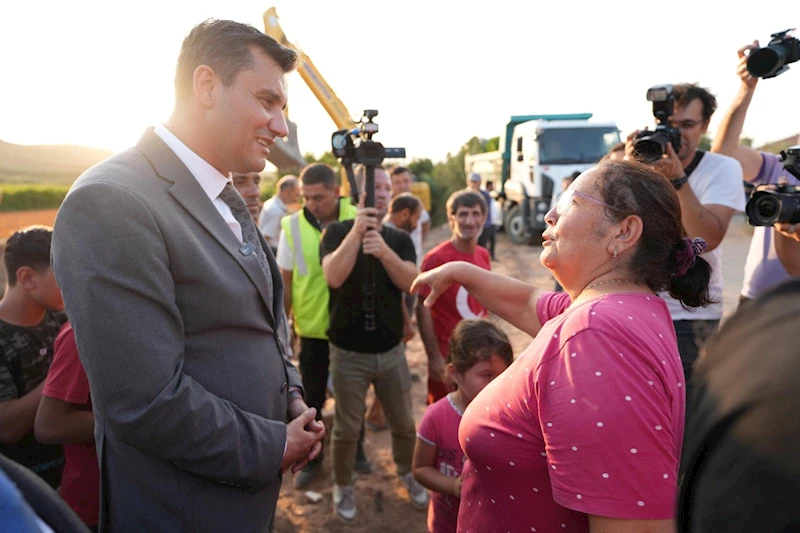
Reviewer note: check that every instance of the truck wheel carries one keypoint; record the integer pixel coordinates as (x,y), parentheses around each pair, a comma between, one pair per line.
(515,226)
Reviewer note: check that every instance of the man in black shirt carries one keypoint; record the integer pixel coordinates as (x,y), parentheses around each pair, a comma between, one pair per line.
(741,459)
(31,315)
(350,251)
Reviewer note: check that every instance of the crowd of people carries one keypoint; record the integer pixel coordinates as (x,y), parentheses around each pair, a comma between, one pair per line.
(146,340)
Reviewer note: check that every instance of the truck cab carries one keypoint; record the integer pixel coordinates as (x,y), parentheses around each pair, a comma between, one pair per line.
(544,152)
(536,153)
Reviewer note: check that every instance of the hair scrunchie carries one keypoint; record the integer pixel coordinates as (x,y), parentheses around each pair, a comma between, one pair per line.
(687,254)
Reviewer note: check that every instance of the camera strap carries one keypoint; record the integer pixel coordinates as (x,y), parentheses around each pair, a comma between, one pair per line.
(695,161)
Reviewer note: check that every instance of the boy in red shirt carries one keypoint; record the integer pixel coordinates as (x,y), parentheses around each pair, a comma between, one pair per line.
(466,212)
(65,417)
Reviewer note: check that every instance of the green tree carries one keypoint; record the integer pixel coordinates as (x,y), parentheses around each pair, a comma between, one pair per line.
(420,167)
(328,158)
(705,143)
(492,145)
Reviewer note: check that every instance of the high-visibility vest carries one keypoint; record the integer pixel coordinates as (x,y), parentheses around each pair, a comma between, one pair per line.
(310,294)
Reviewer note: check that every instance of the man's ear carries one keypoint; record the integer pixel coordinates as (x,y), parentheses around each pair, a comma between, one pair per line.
(204,83)
(25,277)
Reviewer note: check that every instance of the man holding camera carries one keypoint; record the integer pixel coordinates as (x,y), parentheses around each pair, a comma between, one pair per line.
(355,253)
(764,267)
(710,190)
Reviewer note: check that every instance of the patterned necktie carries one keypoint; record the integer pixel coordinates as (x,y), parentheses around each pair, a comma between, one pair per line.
(250,239)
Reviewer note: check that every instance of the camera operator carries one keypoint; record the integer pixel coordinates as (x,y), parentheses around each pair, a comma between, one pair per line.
(359,357)
(773,254)
(710,190)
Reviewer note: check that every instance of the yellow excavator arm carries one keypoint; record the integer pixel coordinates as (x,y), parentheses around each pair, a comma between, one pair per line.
(332,104)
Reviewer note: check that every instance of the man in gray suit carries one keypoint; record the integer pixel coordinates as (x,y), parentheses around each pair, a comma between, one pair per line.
(176,304)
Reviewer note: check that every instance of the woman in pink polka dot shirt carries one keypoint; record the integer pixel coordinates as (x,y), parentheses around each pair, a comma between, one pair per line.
(583,431)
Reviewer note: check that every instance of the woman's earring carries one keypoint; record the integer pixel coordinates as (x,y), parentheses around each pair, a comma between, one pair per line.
(615,252)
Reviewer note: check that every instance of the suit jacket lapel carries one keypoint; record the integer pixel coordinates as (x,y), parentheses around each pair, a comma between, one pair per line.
(187,192)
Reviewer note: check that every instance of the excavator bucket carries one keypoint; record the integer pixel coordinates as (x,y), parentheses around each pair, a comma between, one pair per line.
(285,153)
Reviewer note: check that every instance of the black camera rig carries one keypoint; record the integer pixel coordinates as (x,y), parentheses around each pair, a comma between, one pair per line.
(649,146)
(779,206)
(773,59)
(356,146)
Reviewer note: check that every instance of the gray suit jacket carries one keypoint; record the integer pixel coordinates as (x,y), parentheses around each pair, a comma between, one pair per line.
(184,348)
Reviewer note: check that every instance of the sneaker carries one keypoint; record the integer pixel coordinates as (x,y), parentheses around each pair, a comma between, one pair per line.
(303,478)
(344,502)
(416,492)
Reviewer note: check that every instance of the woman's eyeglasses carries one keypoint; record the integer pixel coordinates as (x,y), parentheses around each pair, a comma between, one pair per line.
(565,202)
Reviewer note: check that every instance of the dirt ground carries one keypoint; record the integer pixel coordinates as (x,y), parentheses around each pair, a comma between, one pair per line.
(381,500)
(12,221)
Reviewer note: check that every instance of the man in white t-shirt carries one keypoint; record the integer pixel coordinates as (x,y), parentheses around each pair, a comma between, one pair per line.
(710,190)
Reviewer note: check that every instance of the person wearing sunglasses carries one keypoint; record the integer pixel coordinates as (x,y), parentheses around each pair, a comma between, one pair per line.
(584,430)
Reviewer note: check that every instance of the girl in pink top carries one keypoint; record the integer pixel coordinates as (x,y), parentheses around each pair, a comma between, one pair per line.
(583,431)
(478,352)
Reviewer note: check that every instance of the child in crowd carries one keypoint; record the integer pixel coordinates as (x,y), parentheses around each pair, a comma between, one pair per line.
(478,352)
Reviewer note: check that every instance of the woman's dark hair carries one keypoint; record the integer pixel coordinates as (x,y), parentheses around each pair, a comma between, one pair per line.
(632,188)
(476,340)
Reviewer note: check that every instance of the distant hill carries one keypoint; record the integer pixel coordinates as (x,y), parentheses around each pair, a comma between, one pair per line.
(61,163)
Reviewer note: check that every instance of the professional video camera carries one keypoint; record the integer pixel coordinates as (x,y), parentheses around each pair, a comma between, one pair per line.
(779,206)
(357,146)
(774,58)
(649,146)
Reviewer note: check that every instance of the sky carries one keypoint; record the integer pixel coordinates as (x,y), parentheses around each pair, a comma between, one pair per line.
(97,73)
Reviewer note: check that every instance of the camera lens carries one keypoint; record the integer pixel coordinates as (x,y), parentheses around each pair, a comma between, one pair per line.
(764,61)
(649,150)
(768,207)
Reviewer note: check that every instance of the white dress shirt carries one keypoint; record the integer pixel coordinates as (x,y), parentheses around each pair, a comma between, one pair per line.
(210,179)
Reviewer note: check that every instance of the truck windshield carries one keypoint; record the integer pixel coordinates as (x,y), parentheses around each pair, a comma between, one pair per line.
(563,146)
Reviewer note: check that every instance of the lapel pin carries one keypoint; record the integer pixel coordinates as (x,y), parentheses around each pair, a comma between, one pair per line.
(247,249)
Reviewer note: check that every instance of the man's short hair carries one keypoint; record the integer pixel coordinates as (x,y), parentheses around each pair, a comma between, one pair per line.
(686,92)
(396,171)
(318,173)
(27,247)
(224,45)
(405,201)
(466,199)
(286,183)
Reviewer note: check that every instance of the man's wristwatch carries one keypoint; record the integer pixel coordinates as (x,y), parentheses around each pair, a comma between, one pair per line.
(678,183)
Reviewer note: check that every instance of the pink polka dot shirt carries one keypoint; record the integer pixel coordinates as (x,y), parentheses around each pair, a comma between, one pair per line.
(588,420)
